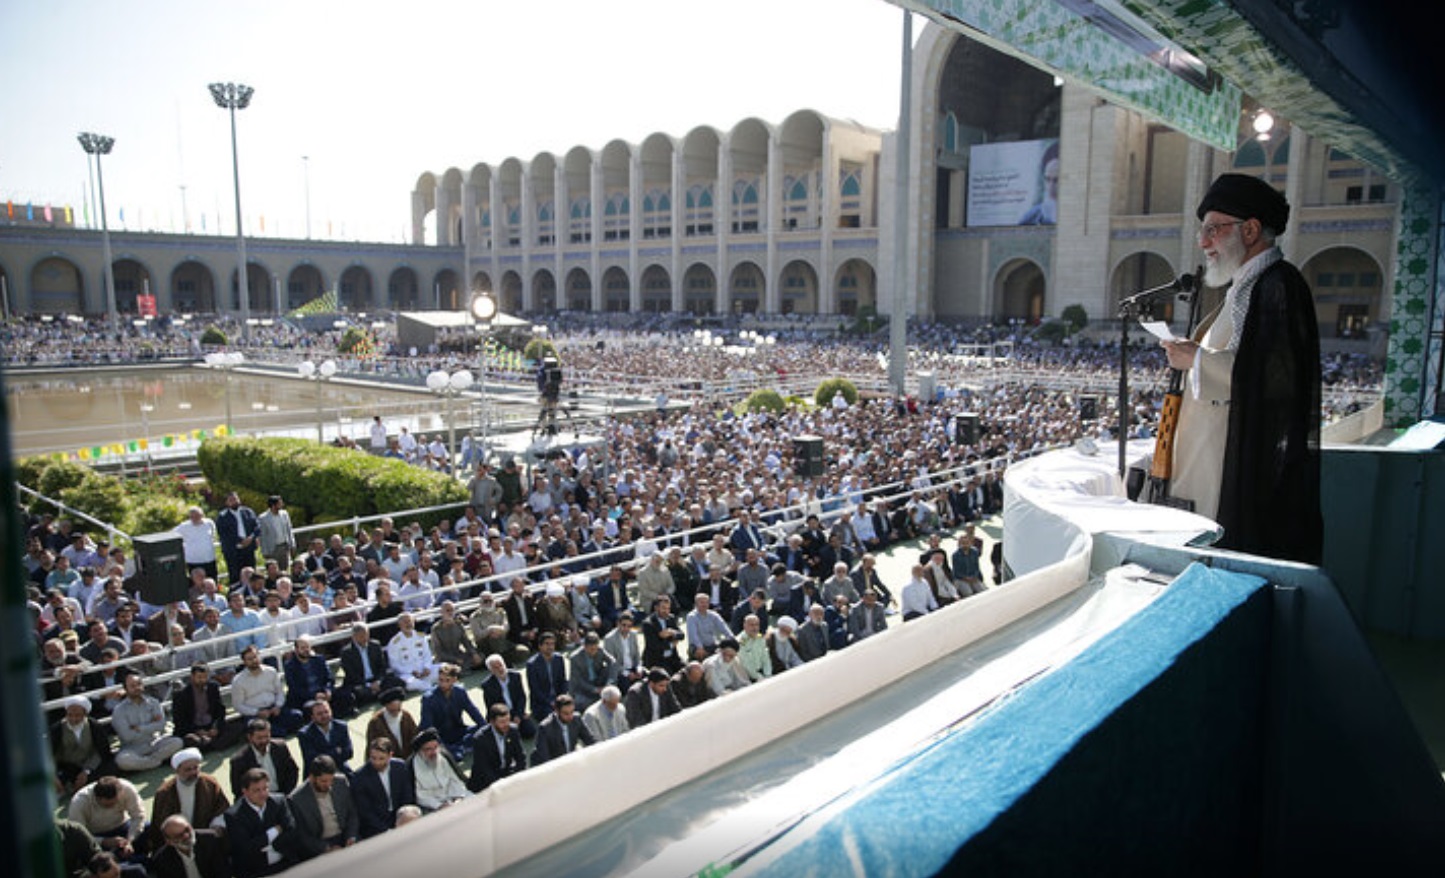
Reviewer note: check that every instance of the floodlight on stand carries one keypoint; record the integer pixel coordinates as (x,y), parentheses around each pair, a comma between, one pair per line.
(484,307)
(1263,124)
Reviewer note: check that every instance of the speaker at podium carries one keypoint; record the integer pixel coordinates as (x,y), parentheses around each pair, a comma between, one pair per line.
(808,455)
(161,568)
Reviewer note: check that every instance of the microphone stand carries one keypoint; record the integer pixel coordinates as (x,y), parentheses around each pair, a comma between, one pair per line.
(1130,309)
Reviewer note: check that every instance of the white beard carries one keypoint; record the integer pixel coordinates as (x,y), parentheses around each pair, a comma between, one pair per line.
(1227,260)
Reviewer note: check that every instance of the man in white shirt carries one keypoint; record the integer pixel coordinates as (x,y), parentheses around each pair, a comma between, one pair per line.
(917,597)
(259,692)
(409,653)
(198,541)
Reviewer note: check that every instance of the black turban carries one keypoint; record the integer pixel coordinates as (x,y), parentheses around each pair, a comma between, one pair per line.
(1246,197)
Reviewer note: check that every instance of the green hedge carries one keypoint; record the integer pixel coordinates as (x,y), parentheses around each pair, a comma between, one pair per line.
(322,483)
(831,387)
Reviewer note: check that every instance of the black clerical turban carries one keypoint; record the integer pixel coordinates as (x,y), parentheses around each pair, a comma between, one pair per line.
(425,736)
(1246,197)
(395,693)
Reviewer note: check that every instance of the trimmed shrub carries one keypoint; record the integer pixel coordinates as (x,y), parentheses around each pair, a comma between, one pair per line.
(537,348)
(61,476)
(1076,317)
(831,387)
(155,514)
(100,497)
(214,336)
(765,401)
(322,483)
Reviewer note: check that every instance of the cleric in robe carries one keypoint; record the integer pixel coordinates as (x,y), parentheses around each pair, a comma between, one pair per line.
(1247,449)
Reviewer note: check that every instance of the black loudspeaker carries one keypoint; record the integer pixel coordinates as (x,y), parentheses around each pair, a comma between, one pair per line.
(161,568)
(1088,408)
(966,428)
(808,455)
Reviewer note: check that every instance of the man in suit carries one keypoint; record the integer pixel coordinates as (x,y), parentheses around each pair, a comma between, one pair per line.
(308,678)
(325,736)
(496,750)
(365,673)
(813,634)
(561,732)
(522,617)
(624,644)
(661,632)
(446,707)
(610,596)
(191,793)
(198,715)
(259,751)
(504,686)
(186,853)
(866,618)
(651,699)
(379,788)
(260,830)
(239,532)
(546,676)
(325,814)
(865,576)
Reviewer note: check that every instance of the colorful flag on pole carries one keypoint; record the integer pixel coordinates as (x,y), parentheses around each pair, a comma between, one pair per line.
(49,217)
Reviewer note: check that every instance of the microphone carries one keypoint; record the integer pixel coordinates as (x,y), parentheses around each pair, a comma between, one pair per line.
(1185,283)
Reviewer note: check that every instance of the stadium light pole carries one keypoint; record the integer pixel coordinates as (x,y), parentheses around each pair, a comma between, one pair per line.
(484,311)
(98,145)
(232,96)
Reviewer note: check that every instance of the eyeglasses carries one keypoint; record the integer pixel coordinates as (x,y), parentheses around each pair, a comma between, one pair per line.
(1207,232)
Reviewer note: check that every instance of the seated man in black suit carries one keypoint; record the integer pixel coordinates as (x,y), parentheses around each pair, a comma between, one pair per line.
(561,732)
(260,831)
(651,699)
(380,787)
(323,793)
(183,845)
(259,751)
(504,686)
(198,716)
(325,735)
(365,673)
(308,678)
(496,750)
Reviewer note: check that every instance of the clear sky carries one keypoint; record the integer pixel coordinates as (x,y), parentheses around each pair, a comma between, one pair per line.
(373,93)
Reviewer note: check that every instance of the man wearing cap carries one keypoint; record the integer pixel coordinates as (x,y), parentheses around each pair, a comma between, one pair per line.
(392,723)
(408,652)
(437,778)
(725,673)
(1247,447)
(489,627)
(191,793)
(80,746)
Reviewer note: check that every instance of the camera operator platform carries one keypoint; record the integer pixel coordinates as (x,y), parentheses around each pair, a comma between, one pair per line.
(549,389)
